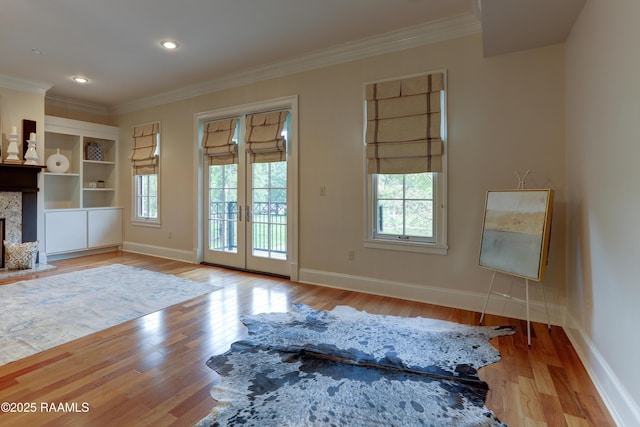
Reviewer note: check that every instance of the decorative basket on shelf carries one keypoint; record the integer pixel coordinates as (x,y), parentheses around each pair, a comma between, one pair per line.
(94,152)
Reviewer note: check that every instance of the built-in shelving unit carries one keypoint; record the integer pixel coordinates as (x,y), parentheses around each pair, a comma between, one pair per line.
(73,189)
(62,190)
(81,204)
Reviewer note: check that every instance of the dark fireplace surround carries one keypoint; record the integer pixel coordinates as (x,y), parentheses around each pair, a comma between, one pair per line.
(23,179)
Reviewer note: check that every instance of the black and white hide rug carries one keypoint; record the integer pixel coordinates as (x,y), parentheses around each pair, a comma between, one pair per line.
(349,368)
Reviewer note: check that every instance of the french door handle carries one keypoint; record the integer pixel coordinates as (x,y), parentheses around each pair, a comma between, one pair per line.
(248,213)
(240,213)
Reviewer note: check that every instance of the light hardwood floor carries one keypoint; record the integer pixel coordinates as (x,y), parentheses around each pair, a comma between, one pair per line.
(151,371)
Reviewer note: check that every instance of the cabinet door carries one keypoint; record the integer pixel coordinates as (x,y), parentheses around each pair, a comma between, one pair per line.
(105,227)
(65,231)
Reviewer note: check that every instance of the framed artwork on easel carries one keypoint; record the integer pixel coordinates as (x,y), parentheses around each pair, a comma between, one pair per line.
(515,232)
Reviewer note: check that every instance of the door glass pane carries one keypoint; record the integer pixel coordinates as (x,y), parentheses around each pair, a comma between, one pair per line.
(260,175)
(223,208)
(269,210)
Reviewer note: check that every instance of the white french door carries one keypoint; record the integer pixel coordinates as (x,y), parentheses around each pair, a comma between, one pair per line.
(246,222)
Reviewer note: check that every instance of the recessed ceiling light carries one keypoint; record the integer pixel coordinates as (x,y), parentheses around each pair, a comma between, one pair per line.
(168,44)
(80,79)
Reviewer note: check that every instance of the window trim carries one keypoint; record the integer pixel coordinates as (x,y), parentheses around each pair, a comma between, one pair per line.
(439,246)
(144,221)
(135,219)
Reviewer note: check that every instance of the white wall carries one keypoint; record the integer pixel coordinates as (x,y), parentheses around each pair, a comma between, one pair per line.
(505,113)
(15,106)
(602,116)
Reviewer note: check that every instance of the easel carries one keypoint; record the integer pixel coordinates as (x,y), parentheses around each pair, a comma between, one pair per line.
(526,301)
(521,186)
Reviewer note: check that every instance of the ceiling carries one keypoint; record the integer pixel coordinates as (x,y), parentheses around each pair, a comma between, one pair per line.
(116,43)
(512,25)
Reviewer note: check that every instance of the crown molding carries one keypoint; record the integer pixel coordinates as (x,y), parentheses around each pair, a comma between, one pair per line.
(23,85)
(75,105)
(407,38)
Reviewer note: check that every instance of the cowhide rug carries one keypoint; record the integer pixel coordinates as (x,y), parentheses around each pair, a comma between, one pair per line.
(350,368)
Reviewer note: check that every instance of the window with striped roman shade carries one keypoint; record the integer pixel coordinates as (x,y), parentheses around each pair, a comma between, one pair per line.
(144,152)
(404,119)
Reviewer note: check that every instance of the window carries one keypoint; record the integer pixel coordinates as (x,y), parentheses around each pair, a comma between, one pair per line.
(407,212)
(145,169)
(146,197)
(404,207)
(406,164)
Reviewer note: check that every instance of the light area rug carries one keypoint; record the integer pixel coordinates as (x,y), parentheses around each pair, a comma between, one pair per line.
(350,368)
(42,313)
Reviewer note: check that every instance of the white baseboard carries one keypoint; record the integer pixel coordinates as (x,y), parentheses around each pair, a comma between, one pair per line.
(621,405)
(160,252)
(472,301)
(75,254)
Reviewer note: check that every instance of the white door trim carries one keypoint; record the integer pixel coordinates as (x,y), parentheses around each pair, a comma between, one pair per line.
(290,103)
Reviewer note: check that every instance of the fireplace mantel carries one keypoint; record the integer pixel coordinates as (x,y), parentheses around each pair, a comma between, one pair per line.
(19,178)
(23,179)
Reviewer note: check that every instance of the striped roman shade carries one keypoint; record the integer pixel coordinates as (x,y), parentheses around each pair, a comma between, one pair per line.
(403,125)
(264,139)
(218,142)
(144,152)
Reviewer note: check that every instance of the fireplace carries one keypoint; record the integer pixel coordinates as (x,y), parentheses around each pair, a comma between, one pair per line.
(2,240)
(19,203)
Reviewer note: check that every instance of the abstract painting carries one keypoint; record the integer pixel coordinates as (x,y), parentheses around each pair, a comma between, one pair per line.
(515,233)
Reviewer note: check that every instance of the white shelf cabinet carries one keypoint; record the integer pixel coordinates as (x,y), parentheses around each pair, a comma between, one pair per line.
(71,190)
(74,230)
(65,231)
(81,205)
(104,227)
